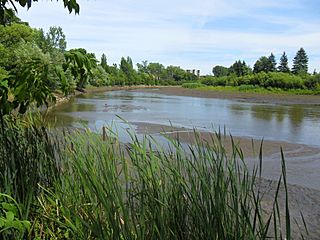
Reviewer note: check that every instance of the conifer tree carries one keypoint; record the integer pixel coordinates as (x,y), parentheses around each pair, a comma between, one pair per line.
(300,62)
(273,63)
(104,63)
(283,65)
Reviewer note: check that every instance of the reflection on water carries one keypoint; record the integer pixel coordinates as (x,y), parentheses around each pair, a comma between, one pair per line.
(296,123)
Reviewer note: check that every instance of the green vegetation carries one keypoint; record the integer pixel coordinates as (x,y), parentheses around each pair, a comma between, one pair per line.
(34,65)
(85,186)
(193,85)
(266,76)
(78,185)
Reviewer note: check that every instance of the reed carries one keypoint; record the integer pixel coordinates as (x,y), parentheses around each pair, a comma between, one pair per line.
(144,190)
(80,185)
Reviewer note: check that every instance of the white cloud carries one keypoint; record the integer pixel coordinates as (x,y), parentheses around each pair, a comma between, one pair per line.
(172,31)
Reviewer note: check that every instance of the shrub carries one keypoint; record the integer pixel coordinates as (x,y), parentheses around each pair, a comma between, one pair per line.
(193,85)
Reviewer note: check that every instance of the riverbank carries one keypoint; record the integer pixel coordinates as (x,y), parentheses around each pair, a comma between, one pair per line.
(301,164)
(61,99)
(268,98)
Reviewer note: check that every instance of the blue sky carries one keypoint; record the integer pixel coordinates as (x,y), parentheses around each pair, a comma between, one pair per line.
(193,34)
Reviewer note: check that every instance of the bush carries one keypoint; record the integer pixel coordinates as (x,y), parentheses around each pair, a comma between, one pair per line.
(193,85)
(283,80)
(215,81)
(247,87)
(313,82)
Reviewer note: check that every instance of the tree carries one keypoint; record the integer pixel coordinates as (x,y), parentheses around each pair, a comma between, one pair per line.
(53,40)
(300,62)
(8,8)
(239,68)
(262,65)
(103,62)
(220,71)
(29,83)
(272,62)
(283,65)
(126,66)
(156,70)
(143,67)
(80,64)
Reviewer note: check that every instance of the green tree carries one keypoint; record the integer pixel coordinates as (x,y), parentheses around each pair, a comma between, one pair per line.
(126,67)
(239,68)
(103,62)
(273,63)
(220,71)
(80,64)
(156,70)
(300,62)
(8,8)
(143,67)
(283,65)
(262,65)
(54,39)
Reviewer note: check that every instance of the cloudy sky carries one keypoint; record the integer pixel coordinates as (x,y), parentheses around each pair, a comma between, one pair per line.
(194,34)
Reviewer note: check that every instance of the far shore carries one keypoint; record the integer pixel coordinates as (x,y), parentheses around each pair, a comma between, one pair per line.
(267,98)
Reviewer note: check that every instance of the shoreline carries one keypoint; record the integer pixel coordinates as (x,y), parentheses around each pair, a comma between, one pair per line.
(61,99)
(269,98)
(303,197)
(300,158)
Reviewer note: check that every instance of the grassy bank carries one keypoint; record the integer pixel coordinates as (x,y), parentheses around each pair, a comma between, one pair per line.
(81,185)
(251,89)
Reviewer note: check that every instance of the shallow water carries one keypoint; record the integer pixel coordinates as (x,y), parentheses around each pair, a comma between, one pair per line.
(292,123)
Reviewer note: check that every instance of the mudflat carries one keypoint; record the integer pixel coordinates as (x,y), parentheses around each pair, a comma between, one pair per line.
(271,98)
(301,165)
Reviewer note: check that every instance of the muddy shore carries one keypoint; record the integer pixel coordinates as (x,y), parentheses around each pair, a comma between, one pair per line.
(303,191)
(271,98)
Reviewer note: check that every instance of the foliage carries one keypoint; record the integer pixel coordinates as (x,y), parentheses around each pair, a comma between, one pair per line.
(240,68)
(192,85)
(273,63)
(264,64)
(220,71)
(283,65)
(10,224)
(300,62)
(80,64)
(103,62)
(146,192)
(52,40)
(262,79)
(99,77)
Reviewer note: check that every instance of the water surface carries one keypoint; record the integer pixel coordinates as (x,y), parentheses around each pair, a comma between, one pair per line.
(290,123)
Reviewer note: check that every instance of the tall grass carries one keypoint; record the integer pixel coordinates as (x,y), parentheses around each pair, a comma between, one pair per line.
(83,186)
(26,159)
(142,191)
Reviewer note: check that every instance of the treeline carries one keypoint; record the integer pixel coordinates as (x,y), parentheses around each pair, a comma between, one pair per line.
(267,73)
(145,73)
(34,64)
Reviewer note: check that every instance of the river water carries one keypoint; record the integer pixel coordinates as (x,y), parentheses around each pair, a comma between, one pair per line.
(290,123)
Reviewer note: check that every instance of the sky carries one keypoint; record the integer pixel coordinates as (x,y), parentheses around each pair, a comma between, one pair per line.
(193,34)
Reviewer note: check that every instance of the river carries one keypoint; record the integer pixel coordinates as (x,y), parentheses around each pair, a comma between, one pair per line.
(299,124)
